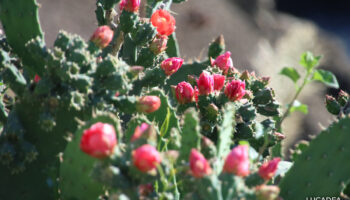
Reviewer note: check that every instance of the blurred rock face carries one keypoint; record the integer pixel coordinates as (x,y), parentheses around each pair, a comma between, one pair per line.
(259,38)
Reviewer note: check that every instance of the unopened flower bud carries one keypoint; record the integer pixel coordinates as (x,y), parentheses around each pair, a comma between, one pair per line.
(146,158)
(266,80)
(343,98)
(268,169)
(216,47)
(212,110)
(219,81)
(199,165)
(235,90)
(279,136)
(148,104)
(184,92)
(223,62)
(237,161)
(99,140)
(245,75)
(205,83)
(171,65)
(102,36)
(129,5)
(158,44)
(332,105)
(144,130)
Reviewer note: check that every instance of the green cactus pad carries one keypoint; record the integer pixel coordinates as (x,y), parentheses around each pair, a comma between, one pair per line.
(326,159)
(20,21)
(191,137)
(76,168)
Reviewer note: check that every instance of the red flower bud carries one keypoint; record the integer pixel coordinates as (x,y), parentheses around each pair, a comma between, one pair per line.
(163,21)
(235,90)
(129,5)
(205,83)
(223,62)
(143,129)
(102,36)
(37,78)
(237,161)
(219,81)
(171,65)
(158,44)
(184,92)
(99,140)
(148,104)
(199,165)
(268,169)
(146,158)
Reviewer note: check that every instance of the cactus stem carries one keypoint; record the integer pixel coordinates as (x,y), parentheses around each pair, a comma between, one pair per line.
(118,43)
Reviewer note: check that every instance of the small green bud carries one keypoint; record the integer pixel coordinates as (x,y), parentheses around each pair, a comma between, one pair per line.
(343,98)
(332,105)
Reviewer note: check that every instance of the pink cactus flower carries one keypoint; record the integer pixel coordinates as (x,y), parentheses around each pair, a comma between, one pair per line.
(99,140)
(219,81)
(129,5)
(144,128)
(158,44)
(171,65)
(102,36)
(237,161)
(268,169)
(223,62)
(148,104)
(37,78)
(235,90)
(205,83)
(199,165)
(184,92)
(146,158)
(164,22)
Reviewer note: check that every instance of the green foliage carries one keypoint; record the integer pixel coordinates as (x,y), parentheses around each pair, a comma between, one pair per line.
(307,178)
(291,73)
(225,137)
(190,137)
(18,34)
(76,167)
(80,84)
(308,60)
(326,77)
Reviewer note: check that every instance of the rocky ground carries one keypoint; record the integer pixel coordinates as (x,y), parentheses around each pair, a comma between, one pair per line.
(259,38)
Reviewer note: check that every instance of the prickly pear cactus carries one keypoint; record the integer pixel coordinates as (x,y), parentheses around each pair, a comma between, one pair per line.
(323,162)
(122,116)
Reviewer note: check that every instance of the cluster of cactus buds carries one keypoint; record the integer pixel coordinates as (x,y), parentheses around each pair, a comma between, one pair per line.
(127,117)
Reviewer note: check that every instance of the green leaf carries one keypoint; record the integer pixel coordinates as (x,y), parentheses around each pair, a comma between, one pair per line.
(291,73)
(308,60)
(165,124)
(326,77)
(297,106)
